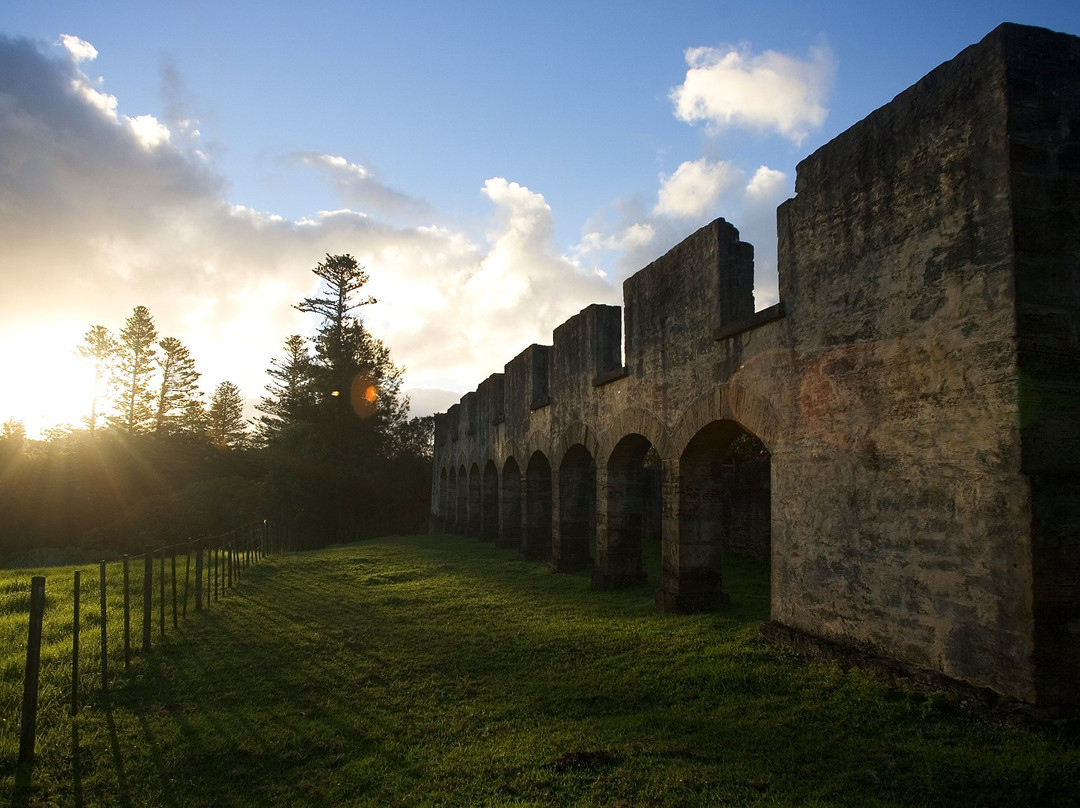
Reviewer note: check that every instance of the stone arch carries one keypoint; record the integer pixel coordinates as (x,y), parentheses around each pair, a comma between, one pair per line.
(748,486)
(473,527)
(576,433)
(535,441)
(451,501)
(489,502)
(635,421)
(536,535)
(729,402)
(510,505)
(625,495)
(571,547)
(461,519)
(707,503)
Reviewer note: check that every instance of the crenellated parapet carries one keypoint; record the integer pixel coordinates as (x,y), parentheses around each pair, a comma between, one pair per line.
(673,308)
(674,304)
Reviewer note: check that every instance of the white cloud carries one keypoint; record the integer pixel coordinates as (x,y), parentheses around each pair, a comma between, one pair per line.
(103,102)
(80,50)
(358,185)
(335,164)
(638,234)
(693,189)
(150,132)
(106,221)
(769,91)
(767,185)
(693,195)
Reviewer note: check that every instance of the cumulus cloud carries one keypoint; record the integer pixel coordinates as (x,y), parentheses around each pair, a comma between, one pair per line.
(360,186)
(770,91)
(766,186)
(101,211)
(690,197)
(723,87)
(80,50)
(694,187)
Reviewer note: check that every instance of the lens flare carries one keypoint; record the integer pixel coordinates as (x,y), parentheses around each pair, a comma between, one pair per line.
(363,396)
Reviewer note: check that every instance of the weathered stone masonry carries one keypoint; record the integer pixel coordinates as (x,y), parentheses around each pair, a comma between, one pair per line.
(917,389)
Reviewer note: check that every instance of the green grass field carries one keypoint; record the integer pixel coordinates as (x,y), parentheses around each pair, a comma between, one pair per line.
(435,670)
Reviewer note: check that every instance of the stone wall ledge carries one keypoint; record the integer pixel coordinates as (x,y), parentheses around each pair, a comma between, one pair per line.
(755,320)
(611,376)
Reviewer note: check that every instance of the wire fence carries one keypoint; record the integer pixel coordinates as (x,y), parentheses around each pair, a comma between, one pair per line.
(136,597)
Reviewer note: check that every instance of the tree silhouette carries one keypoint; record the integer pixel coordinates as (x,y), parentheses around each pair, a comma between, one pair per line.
(336,423)
(226,425)
(291,392)
(100,347)
(134,370)
(178,406)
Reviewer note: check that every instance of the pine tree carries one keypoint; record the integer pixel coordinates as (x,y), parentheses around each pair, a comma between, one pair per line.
(100,347)
(343,277)
(134,370)
(227,427)
(291,394)
(178,406)
(335,460)
(357,386)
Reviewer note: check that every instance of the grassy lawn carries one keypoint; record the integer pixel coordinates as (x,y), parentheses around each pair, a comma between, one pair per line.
(441,671)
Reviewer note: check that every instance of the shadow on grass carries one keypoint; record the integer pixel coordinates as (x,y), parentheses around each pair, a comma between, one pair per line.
(24,776)
(384,672)
(76,767)
(158,762)
(117,757)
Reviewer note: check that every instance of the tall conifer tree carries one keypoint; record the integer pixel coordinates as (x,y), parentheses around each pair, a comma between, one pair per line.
(226,425)
(100,347)
(134,370)
(178,408)
(291,397)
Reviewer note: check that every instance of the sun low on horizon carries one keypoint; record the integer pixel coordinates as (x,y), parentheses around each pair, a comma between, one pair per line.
(46,383)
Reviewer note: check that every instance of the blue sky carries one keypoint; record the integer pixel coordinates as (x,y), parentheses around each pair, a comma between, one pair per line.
(496,166)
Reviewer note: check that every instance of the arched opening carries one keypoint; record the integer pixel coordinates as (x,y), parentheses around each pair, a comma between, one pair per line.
(461,520)
(450,525)
(473,528)
(723,507)
(652,520)
(489,503)
(633,509)
(576,539)
(537,538)
(444,504)
(510,506)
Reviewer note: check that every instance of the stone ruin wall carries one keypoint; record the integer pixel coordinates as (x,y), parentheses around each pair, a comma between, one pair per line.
(917,388)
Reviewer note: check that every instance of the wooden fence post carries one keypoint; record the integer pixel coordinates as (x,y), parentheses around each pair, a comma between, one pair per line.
(104,635)
(187,579)
(75,645)
(33,668)
(198,577)
(127,615)
(175,623)
(161,592)
(148,598)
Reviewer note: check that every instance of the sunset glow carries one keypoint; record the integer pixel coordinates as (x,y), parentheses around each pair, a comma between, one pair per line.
(49,386)
(494,173)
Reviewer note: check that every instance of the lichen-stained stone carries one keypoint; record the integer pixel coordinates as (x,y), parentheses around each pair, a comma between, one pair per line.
(914,396)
